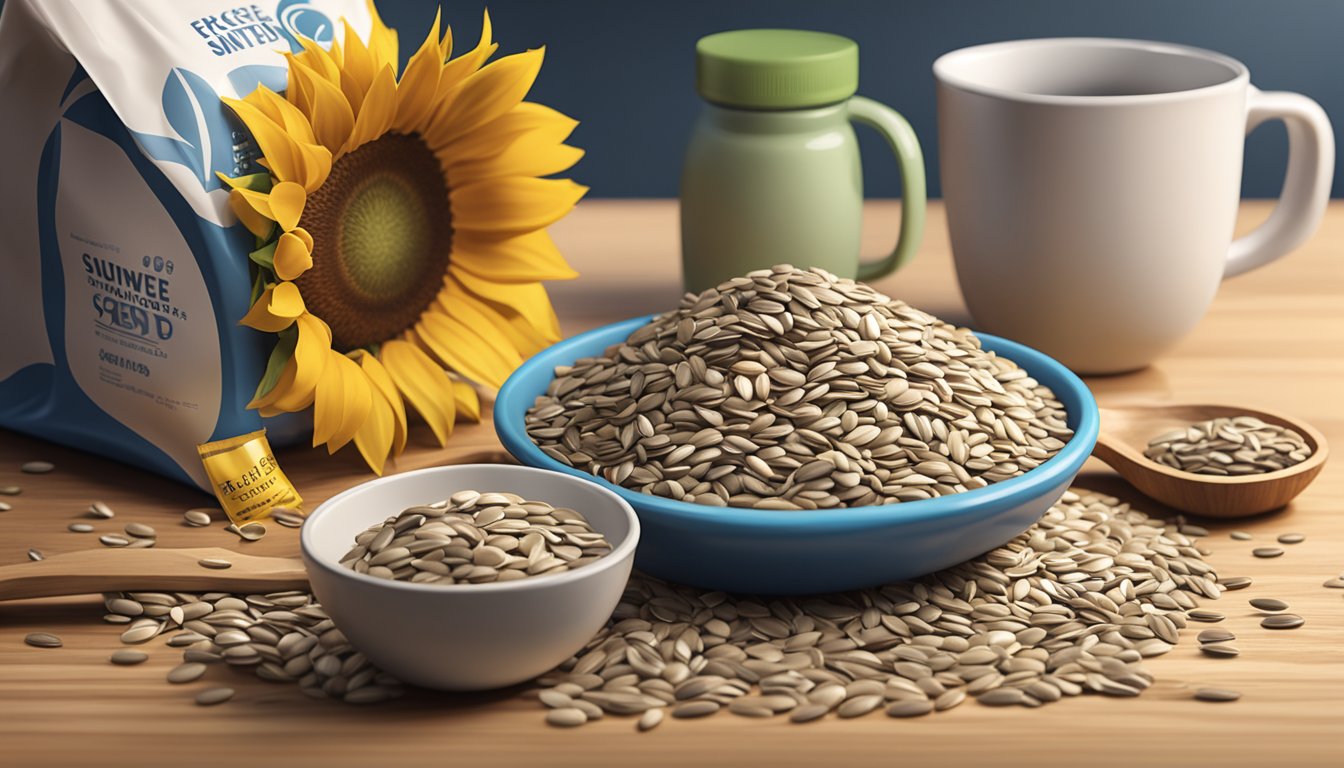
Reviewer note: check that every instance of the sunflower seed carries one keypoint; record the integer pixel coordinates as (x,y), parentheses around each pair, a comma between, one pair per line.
(287,517)
(217,563)
(1217,694)
(808,712)
(1268,604)
(101,511)
(140,531)
(79,528)
(1229,445)
(10,490)
(1266,551)
(1235,582)
(186,672)
(211,696)
(689,709)
(35,555)
(1282,621)
(650,719)
(793,389)
(43,640)
(127,657)
(1219,649)
(1291,538)
(37,467)
(1216,636)
(251,531)
(566,717)
(1240,535)
(1205,615)
(141,632)
(5,506)
(113,540)
(917,707)
(197,518)
(1002,697)
(1335,583)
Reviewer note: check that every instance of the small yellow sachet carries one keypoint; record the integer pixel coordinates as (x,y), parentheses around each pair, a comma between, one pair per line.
(248,482)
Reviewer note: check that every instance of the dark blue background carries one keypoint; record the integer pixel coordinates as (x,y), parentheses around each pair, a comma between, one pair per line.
(625,68)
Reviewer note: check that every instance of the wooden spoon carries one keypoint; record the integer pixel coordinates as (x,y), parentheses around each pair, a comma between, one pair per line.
(1125,433)
(123,570)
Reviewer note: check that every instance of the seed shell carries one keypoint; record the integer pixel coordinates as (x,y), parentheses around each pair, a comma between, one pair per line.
(43,640)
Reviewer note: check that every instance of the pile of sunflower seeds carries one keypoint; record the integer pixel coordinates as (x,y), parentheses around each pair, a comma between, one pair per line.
(1241,445)
(792,389)
(1072,605)
(476,538)
(283,636)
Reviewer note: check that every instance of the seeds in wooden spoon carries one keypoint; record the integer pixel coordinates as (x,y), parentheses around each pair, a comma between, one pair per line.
(37,467)
(186,672)
(217,563)
(211,696)
(139,633)
(1282,621)
(1217,694)
(124,606)
(80,528)
(35,555)
(1268,604)
(1266,551)
(1291,538)
(1238,445)
(1219,649)
(1216,636)
(197,518)
(113,540)
(126,657)
(140,531)
(101,511)
(43,640)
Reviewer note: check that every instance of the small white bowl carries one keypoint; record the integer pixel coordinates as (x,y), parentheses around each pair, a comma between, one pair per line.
(466,637)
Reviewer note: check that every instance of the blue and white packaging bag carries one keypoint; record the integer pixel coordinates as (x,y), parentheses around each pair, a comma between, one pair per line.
(124,271)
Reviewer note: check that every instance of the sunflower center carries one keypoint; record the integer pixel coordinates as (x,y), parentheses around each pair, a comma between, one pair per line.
(382,234)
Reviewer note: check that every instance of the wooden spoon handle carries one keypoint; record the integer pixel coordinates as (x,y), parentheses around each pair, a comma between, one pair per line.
(119,570)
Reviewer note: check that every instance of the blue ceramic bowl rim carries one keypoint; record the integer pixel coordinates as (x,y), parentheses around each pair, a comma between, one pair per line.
(511,406)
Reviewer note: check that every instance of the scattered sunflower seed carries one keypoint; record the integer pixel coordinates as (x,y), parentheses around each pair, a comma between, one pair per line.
(650,719)
(140,531)
(1236,582)
(80,528)
(1216,636)
(1205,615)
(217,563)
(5,506)
(1335,583)
(1266,551)
(1282,621)
(10,490)
(475,538)
(1268,604)
(101,511)
(43,640)
(251,531)
(197,518)
(1238,445)
(186,672)
(794,389)
(1291,538)
(1240,535)
(37,467)
(566,717)
(1219,649)
(287,517)
(35,555)
(1217,694)
(212,696)
(126,657)
(113,540)
(917,707)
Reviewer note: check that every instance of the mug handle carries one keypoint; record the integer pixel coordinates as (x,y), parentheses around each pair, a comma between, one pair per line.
(904,144)
(1306,187)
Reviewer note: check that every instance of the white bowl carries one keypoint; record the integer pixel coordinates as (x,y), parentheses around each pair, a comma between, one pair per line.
(465,637)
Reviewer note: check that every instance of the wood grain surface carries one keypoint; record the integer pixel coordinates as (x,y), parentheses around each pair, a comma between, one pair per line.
(1273,338)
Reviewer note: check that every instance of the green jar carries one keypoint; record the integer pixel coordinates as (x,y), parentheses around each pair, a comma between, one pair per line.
(772,172)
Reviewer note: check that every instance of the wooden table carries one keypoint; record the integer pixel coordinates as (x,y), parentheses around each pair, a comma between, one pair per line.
(1274,338)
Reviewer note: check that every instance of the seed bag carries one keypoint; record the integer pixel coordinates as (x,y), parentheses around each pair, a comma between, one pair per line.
(125,270)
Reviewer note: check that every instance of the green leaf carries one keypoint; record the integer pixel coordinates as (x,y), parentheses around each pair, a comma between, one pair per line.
(258,288)
(257,182)
(284,350)
(264,257)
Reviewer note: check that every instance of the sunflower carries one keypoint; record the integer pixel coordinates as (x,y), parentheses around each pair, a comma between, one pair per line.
(400,232)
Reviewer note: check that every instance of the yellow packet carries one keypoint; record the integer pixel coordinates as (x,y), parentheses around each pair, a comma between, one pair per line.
(248,481)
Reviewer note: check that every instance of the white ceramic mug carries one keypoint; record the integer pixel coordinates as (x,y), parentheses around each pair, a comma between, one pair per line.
(1092,189)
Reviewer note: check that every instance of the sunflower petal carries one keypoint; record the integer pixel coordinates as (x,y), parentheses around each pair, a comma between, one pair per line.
(524,338)
(328,401)
(513,206)
(529,155)
(352,402)
(485,95)
(468,402)
(283,114)
(373,368)
(415,91)
(382,41)
(265,403)
(261,318)
(473,319)
(356,69)
(495,136)
(423,384)
(523,259)
(469,63)
(330,113)
(287,200)
(286,301)
(375,436)
(293,256)
(310,358)
(375,117)
(529,300)
(275,144)
(244,204)
(459,347)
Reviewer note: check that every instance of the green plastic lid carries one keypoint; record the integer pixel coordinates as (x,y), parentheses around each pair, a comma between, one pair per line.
(776,68)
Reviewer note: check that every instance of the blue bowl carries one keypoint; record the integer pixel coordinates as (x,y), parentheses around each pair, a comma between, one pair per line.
(797,552)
